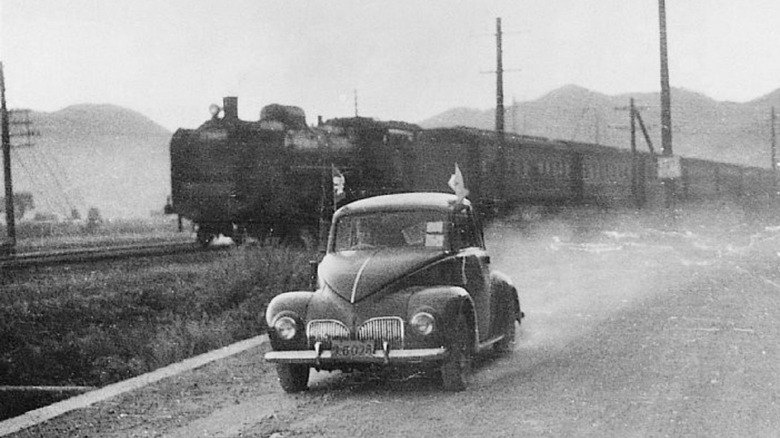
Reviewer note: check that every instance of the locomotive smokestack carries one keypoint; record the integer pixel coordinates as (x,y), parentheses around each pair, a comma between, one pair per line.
(230,107)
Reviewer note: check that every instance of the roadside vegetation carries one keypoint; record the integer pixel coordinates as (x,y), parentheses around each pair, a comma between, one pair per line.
(97,324)
(41,235)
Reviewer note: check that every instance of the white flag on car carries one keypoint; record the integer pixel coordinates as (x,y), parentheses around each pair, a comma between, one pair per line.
(457,185)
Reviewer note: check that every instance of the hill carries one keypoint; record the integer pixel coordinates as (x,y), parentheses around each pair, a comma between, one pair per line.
(85,156)
(701,127)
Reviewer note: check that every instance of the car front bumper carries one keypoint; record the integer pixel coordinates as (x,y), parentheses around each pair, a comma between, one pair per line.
(385,357)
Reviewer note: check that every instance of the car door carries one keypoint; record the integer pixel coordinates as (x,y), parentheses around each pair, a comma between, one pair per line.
(473,263)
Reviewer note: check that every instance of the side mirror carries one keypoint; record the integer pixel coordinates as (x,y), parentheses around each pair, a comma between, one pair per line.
(313,274)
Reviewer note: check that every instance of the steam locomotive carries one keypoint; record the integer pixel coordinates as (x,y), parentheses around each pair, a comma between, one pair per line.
(274,176)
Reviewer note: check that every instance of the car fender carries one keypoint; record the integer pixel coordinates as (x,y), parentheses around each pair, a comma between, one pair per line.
(293,304)
(444,303)
(505,303)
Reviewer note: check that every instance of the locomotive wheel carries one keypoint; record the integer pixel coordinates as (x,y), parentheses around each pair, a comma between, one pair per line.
(205,237)
(240,235)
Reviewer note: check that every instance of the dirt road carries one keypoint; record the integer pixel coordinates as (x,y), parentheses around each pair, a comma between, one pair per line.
(629,332)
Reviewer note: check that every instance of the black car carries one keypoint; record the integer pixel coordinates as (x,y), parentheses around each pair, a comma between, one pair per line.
(406,280)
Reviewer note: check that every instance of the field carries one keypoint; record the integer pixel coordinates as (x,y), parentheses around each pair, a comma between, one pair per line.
(34,236)
(95,324)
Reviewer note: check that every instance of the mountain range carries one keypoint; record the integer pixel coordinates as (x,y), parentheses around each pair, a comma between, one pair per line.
(738,133)
(91,156)
(116,160)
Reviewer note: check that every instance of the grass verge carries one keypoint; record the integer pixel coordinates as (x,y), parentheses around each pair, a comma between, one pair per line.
(92,325)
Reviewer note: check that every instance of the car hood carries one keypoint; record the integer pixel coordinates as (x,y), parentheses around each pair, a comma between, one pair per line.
(354,275)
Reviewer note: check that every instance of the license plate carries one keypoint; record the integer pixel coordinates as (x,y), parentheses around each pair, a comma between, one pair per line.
(350,349)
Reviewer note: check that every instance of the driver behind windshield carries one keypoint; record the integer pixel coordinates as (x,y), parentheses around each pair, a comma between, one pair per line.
(390,230)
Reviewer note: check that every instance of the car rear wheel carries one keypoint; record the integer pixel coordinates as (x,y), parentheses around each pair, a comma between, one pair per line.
(507,343)
(293,378)
(457,369)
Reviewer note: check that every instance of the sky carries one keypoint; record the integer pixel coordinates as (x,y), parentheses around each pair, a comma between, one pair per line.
(392,60)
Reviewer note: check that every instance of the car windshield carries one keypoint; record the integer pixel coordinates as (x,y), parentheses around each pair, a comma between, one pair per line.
(424,229)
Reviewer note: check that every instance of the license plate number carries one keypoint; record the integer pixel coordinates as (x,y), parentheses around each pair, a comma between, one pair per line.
(349,349)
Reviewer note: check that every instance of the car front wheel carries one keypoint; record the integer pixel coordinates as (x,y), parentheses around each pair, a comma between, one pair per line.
(293,378)
(457,369)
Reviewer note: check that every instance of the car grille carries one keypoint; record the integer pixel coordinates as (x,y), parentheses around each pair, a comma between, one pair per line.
(389,329)
(324,330)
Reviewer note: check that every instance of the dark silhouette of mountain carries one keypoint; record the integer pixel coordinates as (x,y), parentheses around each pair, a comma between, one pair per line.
(701,127)
(93,156)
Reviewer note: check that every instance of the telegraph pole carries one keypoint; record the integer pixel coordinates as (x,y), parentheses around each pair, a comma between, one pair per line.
(500,137)
(670,165)
(6,140)
(499,82)
(774,150)
(666,100)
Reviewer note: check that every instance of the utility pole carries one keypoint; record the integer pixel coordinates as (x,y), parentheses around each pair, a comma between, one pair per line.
(500,137)
(669,166)
(773,122)
(499,81)
(666,100)
(9,190)
(356,102)
(637,172)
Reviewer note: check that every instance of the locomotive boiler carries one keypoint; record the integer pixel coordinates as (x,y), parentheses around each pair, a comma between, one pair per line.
(273,177)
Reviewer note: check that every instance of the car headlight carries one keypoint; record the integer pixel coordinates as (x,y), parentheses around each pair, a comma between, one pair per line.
(423,323)
(285,328)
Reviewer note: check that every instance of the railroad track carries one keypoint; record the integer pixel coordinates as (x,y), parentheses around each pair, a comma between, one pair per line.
(86,255)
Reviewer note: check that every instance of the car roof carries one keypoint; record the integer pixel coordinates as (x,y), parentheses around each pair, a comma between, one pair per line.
(402,201)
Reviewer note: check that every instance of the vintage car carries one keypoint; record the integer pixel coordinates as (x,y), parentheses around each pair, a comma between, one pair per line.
(406,280)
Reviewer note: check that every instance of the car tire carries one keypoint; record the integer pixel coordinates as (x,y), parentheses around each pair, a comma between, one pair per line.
(507,343)
(456,371)
(293,378)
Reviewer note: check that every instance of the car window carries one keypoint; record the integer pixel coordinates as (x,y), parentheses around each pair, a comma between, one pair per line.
(465,233)
(417,228)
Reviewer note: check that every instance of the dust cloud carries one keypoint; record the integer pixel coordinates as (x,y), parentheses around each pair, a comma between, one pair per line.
(575,268)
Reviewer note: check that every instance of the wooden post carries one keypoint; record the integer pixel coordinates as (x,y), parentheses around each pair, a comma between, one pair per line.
(500,137)
(9,189)
(666,110)
(774,151)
